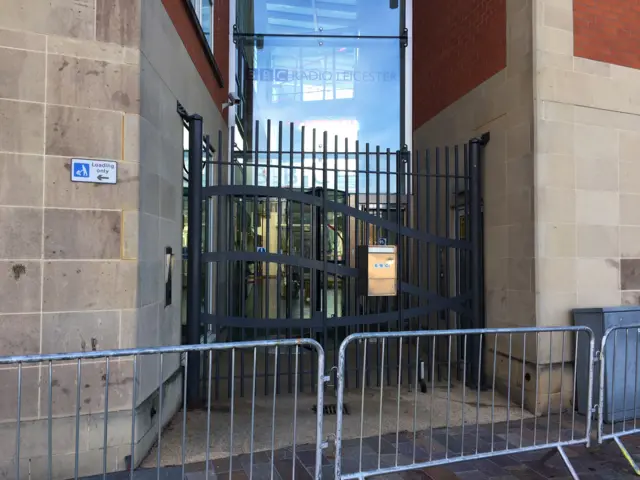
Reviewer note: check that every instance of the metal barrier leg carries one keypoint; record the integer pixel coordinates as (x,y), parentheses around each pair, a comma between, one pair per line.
(567,463)
(627,455)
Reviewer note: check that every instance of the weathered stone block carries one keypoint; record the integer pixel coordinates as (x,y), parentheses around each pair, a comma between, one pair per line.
(22,74)
(91,285)
(80,234)
(21,39)
(106,52)
(9,399)
(84,133)
(28,191)
(20,334)
(130,235)
(630,242)
(63,465)
(92,83)
(598,241)
(132,129)
(92,382)
(80,331)
(21,127)
(629,146)
(149,191)
(596,174)
(170,199)
(150,279)
(544,390)
(72,18)
(150,247)
(629,211)
(21,232)
(630,274)
(119,21)
(20,286)
(597,207)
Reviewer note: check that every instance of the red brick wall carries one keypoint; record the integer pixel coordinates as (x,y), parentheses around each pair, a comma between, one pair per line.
(457,45)
(608,31)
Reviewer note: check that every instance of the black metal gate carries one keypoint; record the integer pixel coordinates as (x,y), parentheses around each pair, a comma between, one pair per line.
(285,214)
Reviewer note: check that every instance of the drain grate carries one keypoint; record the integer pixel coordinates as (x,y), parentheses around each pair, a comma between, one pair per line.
(332,409)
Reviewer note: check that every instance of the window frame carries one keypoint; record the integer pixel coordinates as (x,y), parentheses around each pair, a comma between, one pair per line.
(194,8)
(199,6)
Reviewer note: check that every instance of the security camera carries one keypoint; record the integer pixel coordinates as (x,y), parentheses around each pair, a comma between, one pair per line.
(233,100)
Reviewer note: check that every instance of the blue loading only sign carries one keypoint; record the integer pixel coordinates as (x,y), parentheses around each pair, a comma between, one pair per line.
(94,171)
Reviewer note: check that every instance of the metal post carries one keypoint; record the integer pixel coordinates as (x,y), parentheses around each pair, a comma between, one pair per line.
(209,241)
(194,250)
(475,152)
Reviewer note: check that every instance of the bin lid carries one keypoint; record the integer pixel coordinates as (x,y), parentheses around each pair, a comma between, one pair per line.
(620,308)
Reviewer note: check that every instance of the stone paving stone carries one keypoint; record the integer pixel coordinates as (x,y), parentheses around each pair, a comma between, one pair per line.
(308,459)
(598,462)
(286,470)
(472,475)
(263,472)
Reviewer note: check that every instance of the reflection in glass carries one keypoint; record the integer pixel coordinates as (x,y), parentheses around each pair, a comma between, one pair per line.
(348,88)
(312,17)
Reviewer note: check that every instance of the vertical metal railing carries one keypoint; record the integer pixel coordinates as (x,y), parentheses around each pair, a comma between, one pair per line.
(618,398)
(86,396)
(439,266)
(500,427)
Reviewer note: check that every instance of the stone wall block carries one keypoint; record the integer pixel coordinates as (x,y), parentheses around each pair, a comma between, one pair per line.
(80,331)
(119,21)
(82,234)
(29,169)
(9,401)
(21,127)
(22,75)
(88,83)
(93,378)
(20,285)
(23,40)
(90,285)
(71,18)
(20,334)
(83,132)
(21,232)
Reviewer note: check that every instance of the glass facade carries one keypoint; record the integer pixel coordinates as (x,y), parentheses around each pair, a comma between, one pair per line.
(334,66)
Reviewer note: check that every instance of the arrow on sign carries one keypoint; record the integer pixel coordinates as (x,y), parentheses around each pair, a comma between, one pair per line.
(102,177)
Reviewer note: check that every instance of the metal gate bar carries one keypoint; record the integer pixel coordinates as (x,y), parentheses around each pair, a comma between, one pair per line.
(295,214)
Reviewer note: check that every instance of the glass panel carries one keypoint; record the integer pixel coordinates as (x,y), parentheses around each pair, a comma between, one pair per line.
(327,85)
(206,20)
(313,17)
